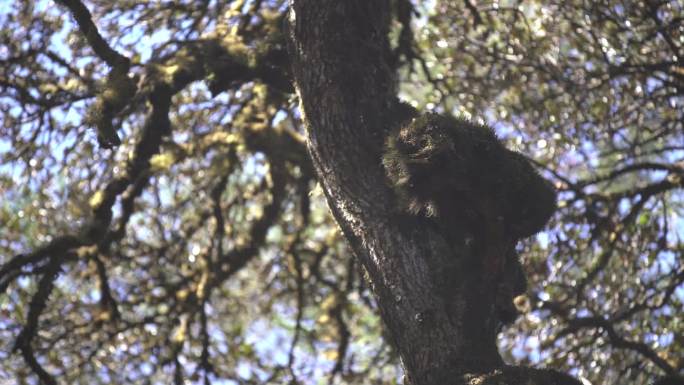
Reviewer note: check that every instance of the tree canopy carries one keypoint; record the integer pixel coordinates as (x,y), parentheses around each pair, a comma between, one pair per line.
(161,219)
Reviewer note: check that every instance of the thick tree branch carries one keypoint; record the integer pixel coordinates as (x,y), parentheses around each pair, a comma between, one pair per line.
(333,44)
(440,316)
(85,22)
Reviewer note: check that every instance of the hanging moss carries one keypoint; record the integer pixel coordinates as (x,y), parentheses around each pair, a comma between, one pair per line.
(115,95)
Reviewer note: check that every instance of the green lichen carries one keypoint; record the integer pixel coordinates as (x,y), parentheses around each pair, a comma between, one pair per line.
(117,92)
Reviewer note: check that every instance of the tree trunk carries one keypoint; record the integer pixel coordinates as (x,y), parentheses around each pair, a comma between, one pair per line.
(437,304)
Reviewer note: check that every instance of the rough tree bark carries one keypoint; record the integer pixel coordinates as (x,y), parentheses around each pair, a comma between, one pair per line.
(437,312)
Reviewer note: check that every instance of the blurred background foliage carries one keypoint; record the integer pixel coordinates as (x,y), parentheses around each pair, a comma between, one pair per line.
(199,249)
